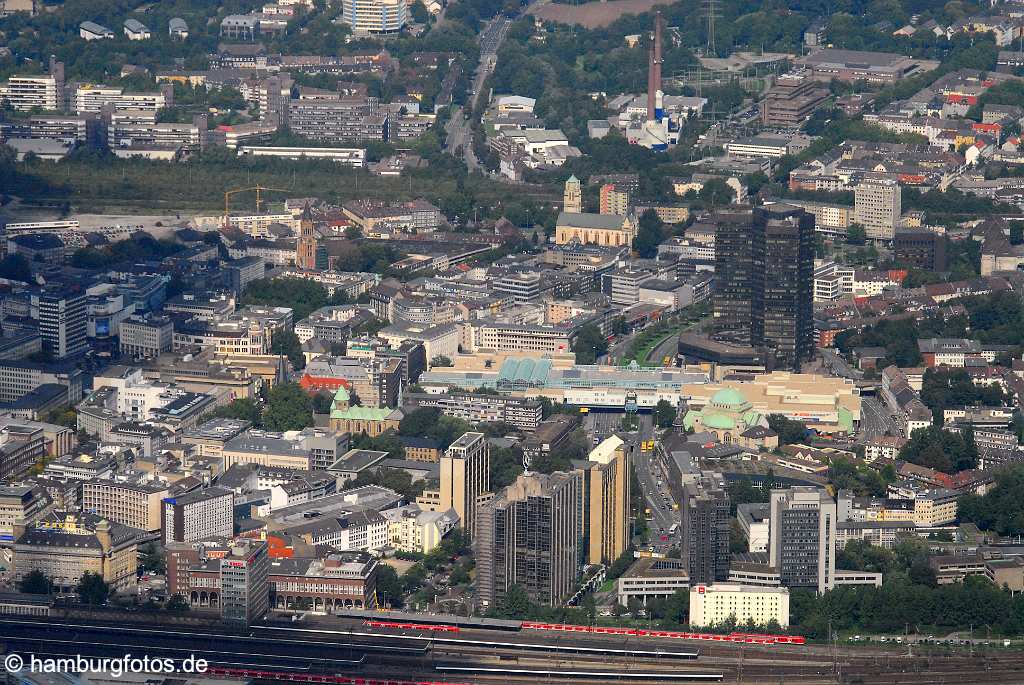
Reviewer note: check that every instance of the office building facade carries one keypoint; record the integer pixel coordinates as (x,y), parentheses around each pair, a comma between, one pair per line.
(705,528)
(877,206)
(62,320)
(528,535)
(605,491)
(198,515)
(802,542)
(465,475)
(788,284)
(245,590)
(764,280)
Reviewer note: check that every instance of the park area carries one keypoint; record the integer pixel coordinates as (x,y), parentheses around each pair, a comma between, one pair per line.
(593,15)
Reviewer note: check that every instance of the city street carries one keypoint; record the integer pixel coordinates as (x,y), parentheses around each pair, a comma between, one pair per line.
(459,129)
(649,471)
(838,366)
(875,419)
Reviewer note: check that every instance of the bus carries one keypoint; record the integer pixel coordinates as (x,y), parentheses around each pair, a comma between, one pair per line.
(674,529)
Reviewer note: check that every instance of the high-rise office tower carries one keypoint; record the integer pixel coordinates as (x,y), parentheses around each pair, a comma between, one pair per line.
(572,198)
(62,319)
(764,280)
(739,276)
(802,537)
(878,206)
(605,482)
(465,475)
(528,535)
(788,283)
(705,529)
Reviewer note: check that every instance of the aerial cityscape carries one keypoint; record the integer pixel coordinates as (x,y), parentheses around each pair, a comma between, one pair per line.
(471,342)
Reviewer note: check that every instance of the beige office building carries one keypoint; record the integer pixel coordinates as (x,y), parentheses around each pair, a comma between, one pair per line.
(465,475)
(606,501)
(64,546)
(877,206)
(712,605)
(136,505)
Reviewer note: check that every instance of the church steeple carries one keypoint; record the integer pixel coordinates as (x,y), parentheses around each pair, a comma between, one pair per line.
(305,249)
(572,199)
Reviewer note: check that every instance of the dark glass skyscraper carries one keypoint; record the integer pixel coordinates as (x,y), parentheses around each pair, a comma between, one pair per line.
(705,519)
(764,280)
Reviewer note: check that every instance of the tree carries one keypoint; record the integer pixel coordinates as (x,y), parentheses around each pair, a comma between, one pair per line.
(242,410)
(287,343)
(664,413)
(419,421)
(394,479)
(676,611)
(944,388)
(589,344)
(35,582)
(177,603)
(289,408)
(856,235)
(16,268)
(298,294)
(92,589)
(1001,509)
(322,402)
(515,603)
(506,465)
(788,429)
(650,233)
(151,558)
(716,191)
(440,360)
(389,587)
(940,449)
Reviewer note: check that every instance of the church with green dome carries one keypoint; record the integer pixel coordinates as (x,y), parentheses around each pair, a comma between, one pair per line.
(733,420)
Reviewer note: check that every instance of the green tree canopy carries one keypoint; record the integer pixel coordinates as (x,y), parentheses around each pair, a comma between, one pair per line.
(940,449)
(589,344)
(1001,509)
(35,582)
(287,343)
(92,589)
(664,414)
(650,233)
(789,430)
(288,408)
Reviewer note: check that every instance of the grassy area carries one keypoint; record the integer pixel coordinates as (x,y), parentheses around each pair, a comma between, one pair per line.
(651,338)
(93,185)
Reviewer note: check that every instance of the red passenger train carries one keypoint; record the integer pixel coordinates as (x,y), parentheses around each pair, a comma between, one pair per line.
(748,638)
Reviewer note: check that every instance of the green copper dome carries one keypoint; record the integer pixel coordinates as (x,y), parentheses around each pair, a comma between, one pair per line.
(728,398)
(719,422)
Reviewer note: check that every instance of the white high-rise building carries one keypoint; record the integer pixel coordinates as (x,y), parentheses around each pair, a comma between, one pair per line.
(878,207)
(375,16)
(802,537)
(28,92)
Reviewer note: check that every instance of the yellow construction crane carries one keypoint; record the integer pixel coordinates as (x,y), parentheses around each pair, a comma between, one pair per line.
(258,188)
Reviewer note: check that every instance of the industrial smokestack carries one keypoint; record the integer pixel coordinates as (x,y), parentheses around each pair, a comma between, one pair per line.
(654,70)
(657,57)
(652,86)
